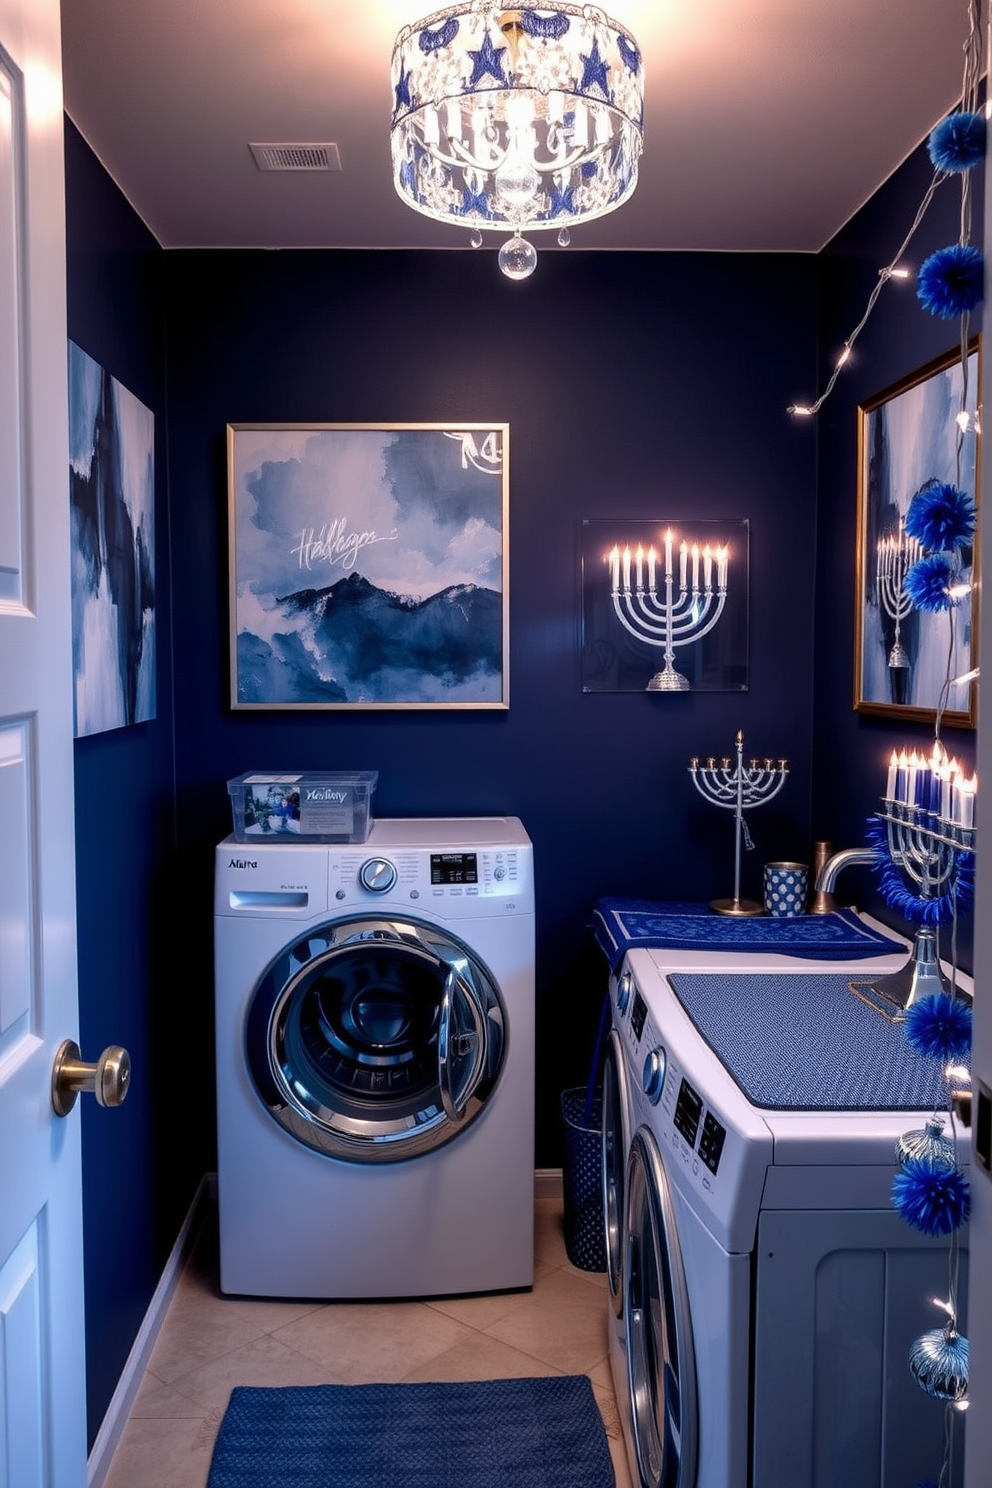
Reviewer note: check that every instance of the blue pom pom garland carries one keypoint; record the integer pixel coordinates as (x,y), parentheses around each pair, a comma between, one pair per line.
(941,517)
(958,142)
(949,283)
(934,1200)
(939,1027)
(927,583)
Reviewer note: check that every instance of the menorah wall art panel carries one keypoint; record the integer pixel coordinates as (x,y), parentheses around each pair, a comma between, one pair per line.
(664,605)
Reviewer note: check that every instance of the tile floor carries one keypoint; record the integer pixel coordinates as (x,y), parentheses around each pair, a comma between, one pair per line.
(209,1343)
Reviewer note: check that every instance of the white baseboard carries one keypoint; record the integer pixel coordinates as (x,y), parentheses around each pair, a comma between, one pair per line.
(112,1427)
(547,1183)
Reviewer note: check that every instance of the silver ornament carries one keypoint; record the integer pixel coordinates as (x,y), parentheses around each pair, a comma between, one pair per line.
(930,1142)
(938,1361)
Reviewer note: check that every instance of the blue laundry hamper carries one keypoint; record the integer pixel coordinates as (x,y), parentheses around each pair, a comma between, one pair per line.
(582,1166)
(582,1184)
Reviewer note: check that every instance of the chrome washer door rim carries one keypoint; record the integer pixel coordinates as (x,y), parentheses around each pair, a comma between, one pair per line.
(286,1024)
(661,1365)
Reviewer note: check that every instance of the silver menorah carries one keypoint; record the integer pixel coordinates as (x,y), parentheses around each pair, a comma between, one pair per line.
(737,789)
(676,616)
(895,556)
(928,810)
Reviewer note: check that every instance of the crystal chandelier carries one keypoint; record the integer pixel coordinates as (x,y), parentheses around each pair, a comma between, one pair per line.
(526,120)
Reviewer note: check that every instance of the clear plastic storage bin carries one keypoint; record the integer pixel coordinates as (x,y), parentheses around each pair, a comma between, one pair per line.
(303,806)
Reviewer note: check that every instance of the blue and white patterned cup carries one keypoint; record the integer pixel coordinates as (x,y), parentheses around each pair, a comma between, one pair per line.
(785,888)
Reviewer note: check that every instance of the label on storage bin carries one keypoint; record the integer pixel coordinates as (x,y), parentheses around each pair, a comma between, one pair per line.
(328,808)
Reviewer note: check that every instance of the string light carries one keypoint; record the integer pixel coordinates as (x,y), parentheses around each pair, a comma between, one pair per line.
(895,270)
(891,271)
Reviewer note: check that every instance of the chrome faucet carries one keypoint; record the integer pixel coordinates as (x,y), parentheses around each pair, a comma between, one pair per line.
(828,874)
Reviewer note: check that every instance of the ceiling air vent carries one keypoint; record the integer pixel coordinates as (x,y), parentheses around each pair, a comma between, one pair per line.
(296,157)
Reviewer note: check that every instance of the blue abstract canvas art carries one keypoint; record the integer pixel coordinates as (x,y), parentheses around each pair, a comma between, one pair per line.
(368,566)
(112,506)
(911,435)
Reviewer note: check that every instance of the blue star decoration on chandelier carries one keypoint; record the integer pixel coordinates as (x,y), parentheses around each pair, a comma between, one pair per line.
(402,91)
(561,201)
(488,62)
(595,72)
(473,201)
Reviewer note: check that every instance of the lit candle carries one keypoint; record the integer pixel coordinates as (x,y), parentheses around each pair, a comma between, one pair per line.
(890,786)
(613,558)
(695,567)
(722,555)
(668,554)
(683,563)
(640,567)
(651,563)
(912,770)
(945,792)
(966,801)
(901,776)
(707,568)
(626,569)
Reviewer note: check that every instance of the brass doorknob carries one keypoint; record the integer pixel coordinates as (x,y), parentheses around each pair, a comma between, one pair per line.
(109,1079)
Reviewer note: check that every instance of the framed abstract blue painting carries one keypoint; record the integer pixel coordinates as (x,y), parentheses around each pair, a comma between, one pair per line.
(112,507)
(918,433)
(368,565)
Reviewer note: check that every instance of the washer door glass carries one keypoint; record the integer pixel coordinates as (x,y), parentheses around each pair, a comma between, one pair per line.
(661,1364)
(375,1039)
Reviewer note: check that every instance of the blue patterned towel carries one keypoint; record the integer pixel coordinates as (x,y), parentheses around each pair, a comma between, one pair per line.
(621,925)
(801,1041)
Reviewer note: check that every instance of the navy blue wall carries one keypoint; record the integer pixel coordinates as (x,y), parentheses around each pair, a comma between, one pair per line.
(851,750)
(633,385)
(135,1186)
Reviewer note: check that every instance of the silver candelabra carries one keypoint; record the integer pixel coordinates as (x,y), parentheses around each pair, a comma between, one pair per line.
(738,790)
(895,556)
(928,811)
(678,615)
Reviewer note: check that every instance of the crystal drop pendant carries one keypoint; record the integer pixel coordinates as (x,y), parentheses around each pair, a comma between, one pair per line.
(564,237)
(476,238)
(518,258)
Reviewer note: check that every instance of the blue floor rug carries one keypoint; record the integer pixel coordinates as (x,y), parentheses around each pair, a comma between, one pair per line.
(510,1433)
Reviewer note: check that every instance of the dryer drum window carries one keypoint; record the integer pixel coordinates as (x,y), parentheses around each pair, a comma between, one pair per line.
(376,1040)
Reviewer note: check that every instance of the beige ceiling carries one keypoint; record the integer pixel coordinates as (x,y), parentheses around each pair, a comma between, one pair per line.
(767,122)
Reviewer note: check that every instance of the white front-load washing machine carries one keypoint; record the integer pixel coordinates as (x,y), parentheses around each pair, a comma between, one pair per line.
(764,1292)
(375,1062)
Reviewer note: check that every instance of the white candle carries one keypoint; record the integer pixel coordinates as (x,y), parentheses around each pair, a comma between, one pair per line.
(901,776)
(890,785)
(640,567)
(683,564)
(695,567)
(707,568)
(651,563)
(945,792)
(966,802)
(912,770)
(668,554)
(614,561)
(626,569)
(722,555)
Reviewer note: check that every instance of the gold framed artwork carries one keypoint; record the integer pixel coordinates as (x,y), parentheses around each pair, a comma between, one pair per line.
(909,435)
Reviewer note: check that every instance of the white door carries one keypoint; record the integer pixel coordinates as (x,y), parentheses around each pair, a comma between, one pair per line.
(42,1388)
